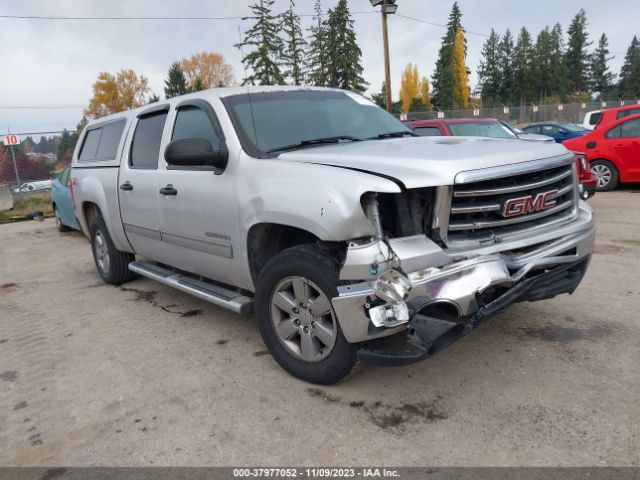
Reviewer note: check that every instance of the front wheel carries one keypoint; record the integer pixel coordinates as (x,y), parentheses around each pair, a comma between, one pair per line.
(296,318)
(607,175)
(112,264)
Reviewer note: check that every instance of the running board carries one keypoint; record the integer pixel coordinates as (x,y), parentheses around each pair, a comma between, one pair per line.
(208,291)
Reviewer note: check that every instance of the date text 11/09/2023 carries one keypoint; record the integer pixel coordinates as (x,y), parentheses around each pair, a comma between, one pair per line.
(315,473)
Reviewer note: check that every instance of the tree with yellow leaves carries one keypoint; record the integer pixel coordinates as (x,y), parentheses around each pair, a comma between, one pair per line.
(210,67)
(115,93)
(409,86)
(425,94)
(460,81)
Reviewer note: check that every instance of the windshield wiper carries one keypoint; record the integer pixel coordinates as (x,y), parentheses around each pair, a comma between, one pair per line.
(315,141)
(393,135)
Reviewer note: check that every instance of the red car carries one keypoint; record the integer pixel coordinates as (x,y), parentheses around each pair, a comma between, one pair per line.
(491,127)
(602,118)
(613,151)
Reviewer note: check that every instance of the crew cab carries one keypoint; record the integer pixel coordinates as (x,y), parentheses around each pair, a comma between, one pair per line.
(347,235)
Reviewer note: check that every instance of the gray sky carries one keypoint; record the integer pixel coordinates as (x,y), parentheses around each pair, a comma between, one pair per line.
(55,62)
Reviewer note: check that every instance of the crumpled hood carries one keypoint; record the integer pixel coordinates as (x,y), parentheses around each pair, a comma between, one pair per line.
(426,161)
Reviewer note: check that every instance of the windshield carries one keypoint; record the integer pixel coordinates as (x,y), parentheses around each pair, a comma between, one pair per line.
(271,121)
(481,129)
(572,127)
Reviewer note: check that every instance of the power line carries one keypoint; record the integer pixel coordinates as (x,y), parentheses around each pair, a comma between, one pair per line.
(438,24)
(242,17)
(40,107)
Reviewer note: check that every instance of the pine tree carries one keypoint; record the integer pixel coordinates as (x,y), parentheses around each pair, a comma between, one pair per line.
(577,58)
(262,61)
(344,54)
(523,67)
(409,86)
(176,82)
(294,45)
(153,98)
(459,78)
(507,85)
(557,64)
(197,85)
(489,75)
(629,85)
(441,79)
(380,99)
(601,77)
(317,55)
(542,70)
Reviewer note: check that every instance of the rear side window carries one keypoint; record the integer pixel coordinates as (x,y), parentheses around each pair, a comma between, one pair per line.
(101,143)
(145,148)
(595,118)
(630,129)
(627,113)
(109,141)
(534,129)
(428,131)
(90,145)
(193,122)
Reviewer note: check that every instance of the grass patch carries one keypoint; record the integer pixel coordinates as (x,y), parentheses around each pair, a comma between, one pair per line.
(27,203)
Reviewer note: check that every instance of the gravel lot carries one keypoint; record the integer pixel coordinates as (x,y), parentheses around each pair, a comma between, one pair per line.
(92,374)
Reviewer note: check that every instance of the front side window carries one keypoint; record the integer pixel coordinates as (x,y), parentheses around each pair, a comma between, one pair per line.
(193,122)
(145,147)
(272,121)
(428,131)
(550,130)
(481,129)
(533,129)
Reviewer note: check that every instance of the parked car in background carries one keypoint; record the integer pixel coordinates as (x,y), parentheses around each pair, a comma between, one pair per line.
(491,127)
(600,118)
(63,203)
(558,131)
(34,186)
(613,152)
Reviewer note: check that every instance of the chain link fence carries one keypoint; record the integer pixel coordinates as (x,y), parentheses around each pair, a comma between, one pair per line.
(29,162)
(522,115)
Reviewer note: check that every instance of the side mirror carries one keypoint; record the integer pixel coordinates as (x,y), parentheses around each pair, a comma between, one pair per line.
(196,154)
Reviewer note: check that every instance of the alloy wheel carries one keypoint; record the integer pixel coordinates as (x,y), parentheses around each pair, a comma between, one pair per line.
(603,174)
(102,252)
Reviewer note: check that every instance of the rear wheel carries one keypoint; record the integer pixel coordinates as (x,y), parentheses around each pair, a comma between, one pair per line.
(59,225)
(296,318)
(607,174)
(112,264)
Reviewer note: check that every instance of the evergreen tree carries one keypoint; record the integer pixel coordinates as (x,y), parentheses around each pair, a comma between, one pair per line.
(523,68)
(441,79)
(557,65)
(629,85)
(293,54)
(176,82)
(489,74)
(506,59)
(262,61)
(577,58)
(601,77)
(344,54)
(153,98)
(197,86)
(317,55)
(459,78)
(542,70)
(380,99)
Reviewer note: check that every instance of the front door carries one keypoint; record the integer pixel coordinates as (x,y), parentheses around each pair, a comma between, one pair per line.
(627,148)
(198,215)
(138,183)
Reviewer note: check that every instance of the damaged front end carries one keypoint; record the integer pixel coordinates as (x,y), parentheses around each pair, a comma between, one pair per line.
(437,289)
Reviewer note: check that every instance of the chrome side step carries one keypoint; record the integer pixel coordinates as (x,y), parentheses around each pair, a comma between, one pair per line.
(208,291)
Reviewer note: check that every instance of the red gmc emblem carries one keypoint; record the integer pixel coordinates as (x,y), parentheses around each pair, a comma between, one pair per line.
(529,204)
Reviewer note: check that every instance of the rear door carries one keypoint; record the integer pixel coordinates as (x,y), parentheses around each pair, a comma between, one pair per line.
(138,183)
(624,140)
(199,217)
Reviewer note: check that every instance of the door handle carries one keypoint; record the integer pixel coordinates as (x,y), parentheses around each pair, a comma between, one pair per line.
(168,190)
(126,186)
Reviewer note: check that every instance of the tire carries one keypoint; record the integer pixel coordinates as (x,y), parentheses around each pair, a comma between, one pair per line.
(607,173)
(309,343)
(62,228)
(112,264)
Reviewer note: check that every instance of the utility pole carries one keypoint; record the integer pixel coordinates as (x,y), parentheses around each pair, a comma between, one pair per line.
(387,7)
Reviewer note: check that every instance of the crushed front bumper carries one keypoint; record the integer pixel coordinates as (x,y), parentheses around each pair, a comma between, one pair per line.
(475,286)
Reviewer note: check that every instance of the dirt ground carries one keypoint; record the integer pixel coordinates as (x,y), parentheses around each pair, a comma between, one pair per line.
(144,375)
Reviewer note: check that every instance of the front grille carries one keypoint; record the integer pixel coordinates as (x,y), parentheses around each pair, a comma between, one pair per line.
(478,209)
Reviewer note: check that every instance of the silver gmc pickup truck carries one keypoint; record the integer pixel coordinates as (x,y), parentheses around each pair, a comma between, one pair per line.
(352,239)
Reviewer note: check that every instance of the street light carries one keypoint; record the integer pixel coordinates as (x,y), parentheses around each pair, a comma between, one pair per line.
(387,7)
